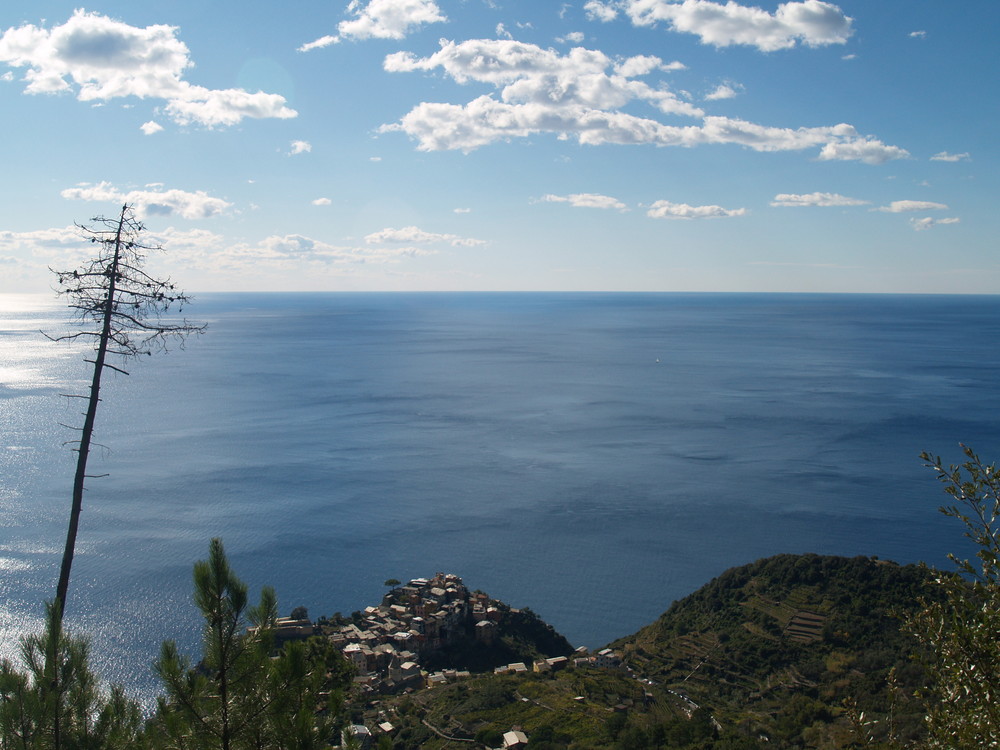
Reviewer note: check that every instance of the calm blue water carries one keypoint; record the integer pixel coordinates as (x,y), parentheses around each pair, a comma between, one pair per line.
(592,456)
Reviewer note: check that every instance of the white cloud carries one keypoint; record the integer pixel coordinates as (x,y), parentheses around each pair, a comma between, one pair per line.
(815,199)
(724,91)
(381,19)
(8,76)
(640,65)
(322,202)
(462,210)
(323,41)
(586,200)
(389,19)
(811,22)
(918,34)
(196,205)
(42,241)
(867,150)
(416,236)
(898,207)
(574,37)
(300,147)
(151,127)
(945,156)
(34,252)
(211,252)
(582,94)
(104,59)
(539,90)
(922,225)
(600,11)
(667,210)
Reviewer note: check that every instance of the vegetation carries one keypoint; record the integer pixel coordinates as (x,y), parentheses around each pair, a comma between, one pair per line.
(242,695)
(121,308)
(791,651)
(54,701)
(522,637)
(958,628)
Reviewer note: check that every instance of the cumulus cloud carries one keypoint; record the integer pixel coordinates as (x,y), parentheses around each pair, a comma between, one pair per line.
(322,202)
(723,91)
(539,90)
(810,22)
(918,34)
(600,11)
(212,252)
(300,147)
(34,252)
(586,200)
(581,94)
(574,37)
(150,127)
(301,248)
(921,225)
(381,19)
(945,156)
(415,236)
(462,210)
(867,150)
(899,207)
(41,242)
(667,210)
(187,205)
(815,199)
(101,59)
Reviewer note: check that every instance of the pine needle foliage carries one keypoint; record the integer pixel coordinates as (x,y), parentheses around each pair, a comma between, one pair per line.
(244,694)
(53,700)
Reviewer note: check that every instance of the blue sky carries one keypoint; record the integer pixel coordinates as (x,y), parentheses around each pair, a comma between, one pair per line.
(660,145)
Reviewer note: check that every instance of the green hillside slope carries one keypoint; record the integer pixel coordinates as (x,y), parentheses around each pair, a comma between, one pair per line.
(790,651)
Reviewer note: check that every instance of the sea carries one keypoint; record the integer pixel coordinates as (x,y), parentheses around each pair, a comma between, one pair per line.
(591,456)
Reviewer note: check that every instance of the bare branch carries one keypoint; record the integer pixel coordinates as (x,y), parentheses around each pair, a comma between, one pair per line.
(124,312)
(105,364)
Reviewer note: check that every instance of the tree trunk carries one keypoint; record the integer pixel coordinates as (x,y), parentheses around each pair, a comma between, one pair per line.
(83,452)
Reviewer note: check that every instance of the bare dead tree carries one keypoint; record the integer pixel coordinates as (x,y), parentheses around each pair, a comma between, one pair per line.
(122,310)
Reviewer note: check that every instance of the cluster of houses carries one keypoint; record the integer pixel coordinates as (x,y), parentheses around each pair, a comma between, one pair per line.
(384,643)
(420,617)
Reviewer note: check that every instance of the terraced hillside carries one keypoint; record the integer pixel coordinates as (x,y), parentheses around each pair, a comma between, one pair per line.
(788,652)
(813,635)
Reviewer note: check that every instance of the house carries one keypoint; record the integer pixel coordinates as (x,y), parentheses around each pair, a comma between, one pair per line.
(607,659)
(557,662)
(360,733)
(515,739)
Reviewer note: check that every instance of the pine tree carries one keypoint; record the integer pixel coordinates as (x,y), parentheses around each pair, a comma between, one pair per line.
(244,693)
(122,309)
(54,700)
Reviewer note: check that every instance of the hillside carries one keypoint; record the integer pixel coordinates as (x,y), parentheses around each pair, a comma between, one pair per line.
(789,651)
